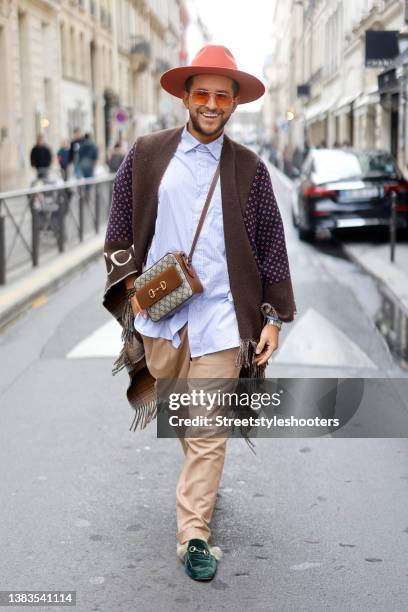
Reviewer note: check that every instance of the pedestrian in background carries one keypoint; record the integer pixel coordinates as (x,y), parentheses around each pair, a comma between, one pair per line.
(116,158)
(231,329)
(63,156)
(88,155)
(74,152)
(41,156)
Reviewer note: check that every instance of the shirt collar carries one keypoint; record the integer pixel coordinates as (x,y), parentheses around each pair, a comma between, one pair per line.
(189,142)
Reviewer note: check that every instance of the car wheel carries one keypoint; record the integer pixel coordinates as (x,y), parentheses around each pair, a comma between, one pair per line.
(306,235)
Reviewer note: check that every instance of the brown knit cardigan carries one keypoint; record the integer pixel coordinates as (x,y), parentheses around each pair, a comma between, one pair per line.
(255,247)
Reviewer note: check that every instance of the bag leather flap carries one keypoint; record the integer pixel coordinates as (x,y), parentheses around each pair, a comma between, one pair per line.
(157,288)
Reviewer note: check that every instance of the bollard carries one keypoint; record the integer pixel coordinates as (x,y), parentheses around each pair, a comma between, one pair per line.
(97,208)
(35,234)
(393,224)
(62,207)
(81,213)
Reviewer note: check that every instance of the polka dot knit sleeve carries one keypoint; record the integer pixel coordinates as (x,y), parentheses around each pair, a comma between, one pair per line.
(120,215)
(265,230)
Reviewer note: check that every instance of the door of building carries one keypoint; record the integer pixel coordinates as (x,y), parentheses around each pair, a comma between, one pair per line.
(394,125)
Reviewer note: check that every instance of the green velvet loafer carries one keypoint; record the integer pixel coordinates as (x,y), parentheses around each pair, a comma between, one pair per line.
(200,560)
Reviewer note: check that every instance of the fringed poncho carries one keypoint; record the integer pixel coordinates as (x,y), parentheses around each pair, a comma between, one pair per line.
(257,259)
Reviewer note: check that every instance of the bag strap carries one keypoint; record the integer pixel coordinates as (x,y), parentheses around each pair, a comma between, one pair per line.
(204,212)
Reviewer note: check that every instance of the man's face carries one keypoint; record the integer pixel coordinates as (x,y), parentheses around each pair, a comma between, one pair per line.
(209,118)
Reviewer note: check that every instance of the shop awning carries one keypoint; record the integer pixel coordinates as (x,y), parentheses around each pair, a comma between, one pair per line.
(371,96)
(343,105)
(318,111)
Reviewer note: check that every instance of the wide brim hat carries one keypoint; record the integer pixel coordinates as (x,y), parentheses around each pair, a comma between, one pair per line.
(213,59)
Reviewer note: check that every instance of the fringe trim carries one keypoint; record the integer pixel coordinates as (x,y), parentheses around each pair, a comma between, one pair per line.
(251,370)
(249,442)
(144,414)
(121,362)
(128,320)
(245,357)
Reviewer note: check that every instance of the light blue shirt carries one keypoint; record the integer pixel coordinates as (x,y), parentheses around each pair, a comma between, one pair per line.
(211,318)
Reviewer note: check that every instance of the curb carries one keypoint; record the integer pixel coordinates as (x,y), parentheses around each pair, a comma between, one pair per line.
(19,296)
(385,273)
(392,316)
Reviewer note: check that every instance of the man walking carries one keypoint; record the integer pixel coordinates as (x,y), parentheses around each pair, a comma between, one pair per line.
(63,156)
(229,330)
(74,152)
(41,157)
(88,155)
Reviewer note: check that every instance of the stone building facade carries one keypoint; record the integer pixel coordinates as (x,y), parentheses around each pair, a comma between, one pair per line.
(321,44)
(92,64)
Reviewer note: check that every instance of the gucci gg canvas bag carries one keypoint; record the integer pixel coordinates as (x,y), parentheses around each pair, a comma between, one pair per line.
(171,281)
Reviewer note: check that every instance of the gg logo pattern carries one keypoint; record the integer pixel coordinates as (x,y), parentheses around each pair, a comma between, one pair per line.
(168,304)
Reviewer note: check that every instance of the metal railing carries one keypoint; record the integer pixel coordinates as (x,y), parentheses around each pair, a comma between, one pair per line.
(37,223)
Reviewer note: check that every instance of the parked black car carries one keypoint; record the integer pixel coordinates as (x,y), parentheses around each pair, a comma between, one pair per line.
(340,188)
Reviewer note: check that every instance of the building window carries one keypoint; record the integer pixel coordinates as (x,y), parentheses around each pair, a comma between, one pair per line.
(334,40)
(62,50)
(82,57)
(73,54)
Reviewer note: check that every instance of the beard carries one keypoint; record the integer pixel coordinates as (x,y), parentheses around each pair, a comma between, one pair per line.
(200,130)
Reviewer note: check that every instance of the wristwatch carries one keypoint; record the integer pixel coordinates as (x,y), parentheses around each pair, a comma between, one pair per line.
(276,322)
(270,314)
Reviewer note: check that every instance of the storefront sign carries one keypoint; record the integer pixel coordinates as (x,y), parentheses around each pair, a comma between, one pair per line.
(381,47)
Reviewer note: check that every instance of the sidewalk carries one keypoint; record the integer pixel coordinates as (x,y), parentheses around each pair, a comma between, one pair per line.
(375,260)
(392,282)
(20,295)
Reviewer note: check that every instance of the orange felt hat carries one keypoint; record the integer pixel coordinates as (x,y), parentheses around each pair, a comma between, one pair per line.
(213,59)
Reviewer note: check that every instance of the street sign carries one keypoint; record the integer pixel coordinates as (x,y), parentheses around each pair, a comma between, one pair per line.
(381,47)
(121,115)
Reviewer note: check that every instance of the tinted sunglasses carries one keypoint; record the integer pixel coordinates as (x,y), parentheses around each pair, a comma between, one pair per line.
(202,97)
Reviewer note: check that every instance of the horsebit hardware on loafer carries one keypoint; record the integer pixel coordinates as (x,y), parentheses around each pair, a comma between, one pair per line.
(201,550)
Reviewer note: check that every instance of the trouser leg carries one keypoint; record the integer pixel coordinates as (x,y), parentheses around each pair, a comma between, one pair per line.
(199,480)
(165,361)
(200,477)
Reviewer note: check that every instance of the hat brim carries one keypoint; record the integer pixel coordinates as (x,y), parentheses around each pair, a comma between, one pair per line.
(251,88)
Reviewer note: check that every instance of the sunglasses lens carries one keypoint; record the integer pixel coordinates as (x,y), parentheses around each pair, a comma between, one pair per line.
(200,97)
(223,100)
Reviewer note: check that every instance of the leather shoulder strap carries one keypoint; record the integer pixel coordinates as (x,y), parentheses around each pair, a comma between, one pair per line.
(204,212)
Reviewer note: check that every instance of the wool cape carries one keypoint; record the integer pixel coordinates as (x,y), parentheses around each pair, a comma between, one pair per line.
(255,249)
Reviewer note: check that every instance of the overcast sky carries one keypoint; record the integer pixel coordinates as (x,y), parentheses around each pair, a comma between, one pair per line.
(244,27)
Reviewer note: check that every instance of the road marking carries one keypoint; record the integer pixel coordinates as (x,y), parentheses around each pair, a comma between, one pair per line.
(103,342)
(303,345)
(314,340)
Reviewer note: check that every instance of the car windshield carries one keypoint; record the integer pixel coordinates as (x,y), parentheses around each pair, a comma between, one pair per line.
(339,165)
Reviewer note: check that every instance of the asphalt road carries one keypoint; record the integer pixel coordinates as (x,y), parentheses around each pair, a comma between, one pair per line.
(314,524)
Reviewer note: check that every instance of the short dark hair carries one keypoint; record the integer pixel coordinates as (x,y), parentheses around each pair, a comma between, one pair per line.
(189,82)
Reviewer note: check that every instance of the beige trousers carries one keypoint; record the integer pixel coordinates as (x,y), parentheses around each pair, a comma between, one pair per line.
(200,476)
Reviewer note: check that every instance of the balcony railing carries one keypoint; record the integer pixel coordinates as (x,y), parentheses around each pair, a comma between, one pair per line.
(37,224)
